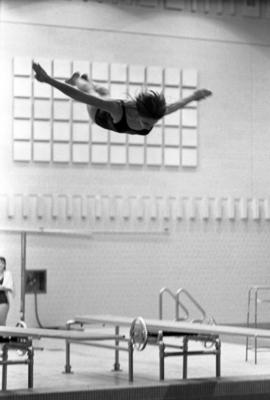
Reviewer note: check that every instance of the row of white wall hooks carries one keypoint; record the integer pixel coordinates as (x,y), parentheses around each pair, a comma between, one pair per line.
(232,7)
(107,207)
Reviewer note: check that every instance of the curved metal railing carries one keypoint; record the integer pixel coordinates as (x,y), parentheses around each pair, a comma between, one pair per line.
(177,303)
(194,302)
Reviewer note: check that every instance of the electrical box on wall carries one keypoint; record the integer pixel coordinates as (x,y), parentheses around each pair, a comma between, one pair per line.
(36,281)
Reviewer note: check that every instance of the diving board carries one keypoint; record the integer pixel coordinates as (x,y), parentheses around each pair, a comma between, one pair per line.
(156,325)
(156,332)
(187,330)
(19,338)
(62,334)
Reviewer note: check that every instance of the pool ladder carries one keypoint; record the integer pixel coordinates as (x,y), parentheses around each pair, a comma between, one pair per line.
(178,298)
(256,298)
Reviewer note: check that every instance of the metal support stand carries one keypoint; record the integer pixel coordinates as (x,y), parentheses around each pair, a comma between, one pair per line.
(116,366)
(130,360)
(25,346)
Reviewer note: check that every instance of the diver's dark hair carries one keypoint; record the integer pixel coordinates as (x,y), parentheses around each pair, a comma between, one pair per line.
(151,104)
(3,261)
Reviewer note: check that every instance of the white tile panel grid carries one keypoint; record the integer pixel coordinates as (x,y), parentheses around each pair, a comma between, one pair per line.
(99,154)
(21,129)
(118,73)
(22,66)
(81,66)
(61,131)
(134,89)
(51,108)
(42,109)
(136,140)
(171,157)
(61,109)
(156,136)
(154,75)
(118,91)
(22,87)
(99,135)
(172,77)
(42,90)
(172,94)
(115,137)
(61,153)
(41,152)
(172,119)
(189,157)
(79,112)
(100,71)
(136,155)
(61,69)
(154,156)
(80,132)
(80,153)
(22,151)
(118,155)
(172,137)
(189,137)
(189,118)
(136,74)
(22,108)
(41,130)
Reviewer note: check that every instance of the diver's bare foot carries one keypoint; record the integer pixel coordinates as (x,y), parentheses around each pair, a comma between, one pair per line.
(72,80)
(101,90)
(85,77)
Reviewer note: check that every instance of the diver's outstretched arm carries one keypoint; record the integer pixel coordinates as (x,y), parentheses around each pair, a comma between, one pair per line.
(196,96)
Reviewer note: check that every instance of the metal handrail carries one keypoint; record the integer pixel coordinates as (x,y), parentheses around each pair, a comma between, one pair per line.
(253,294)
(196,304)
(177,304)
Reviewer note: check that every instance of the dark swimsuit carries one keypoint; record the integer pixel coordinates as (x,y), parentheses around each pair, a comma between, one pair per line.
(3,296)
(104,119)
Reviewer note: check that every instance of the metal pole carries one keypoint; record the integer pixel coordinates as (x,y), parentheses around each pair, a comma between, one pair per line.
(23,269)
(116,366)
